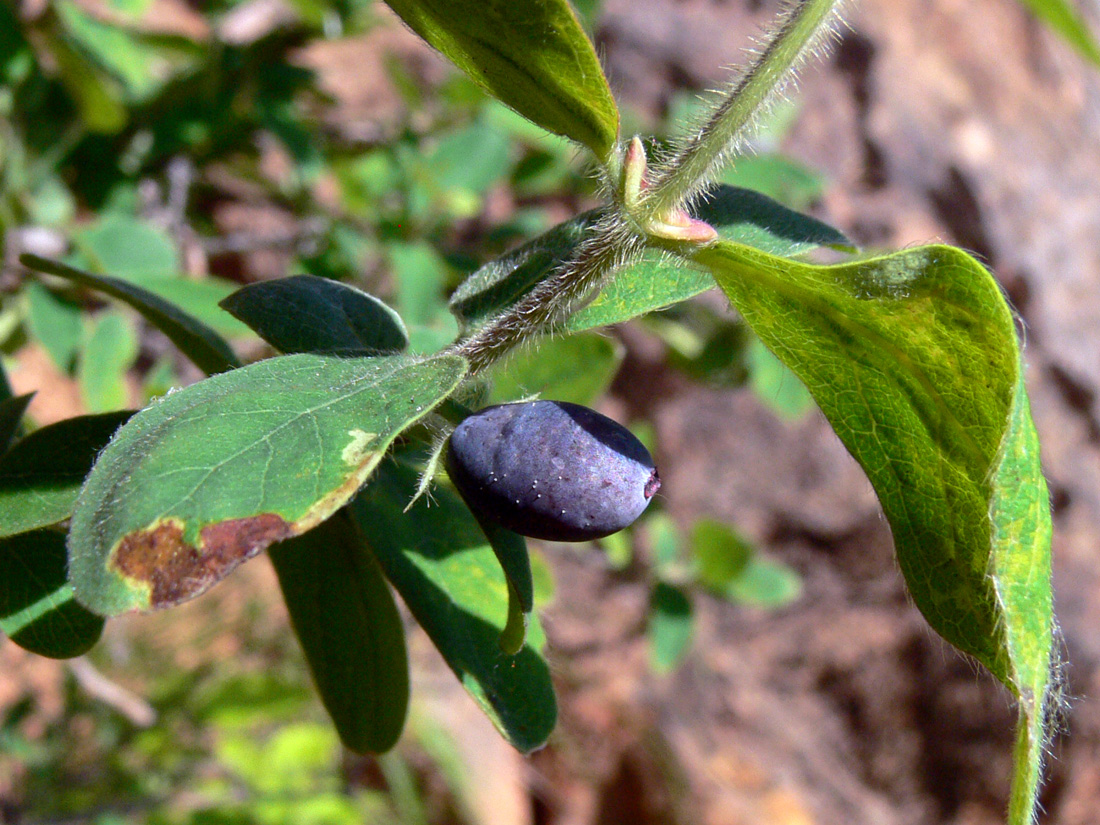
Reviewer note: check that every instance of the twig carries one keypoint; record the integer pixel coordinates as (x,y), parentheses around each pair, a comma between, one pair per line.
(130,705)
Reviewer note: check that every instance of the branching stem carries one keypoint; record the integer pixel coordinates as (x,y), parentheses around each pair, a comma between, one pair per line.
(552,301)
(650,210)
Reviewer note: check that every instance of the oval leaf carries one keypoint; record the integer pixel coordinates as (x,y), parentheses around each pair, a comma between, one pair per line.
(531,54)
(196,340)
(913,358)
(350,630)
(210,475)
(109,350)
(56,322)
(727,564)
(40,476)
(37,609)
(305,313)
(445,570)
(671,626)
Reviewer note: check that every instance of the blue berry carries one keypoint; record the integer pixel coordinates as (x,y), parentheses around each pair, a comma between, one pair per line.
(551,470)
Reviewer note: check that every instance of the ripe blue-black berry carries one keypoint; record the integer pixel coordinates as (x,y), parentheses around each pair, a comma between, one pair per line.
(551,470)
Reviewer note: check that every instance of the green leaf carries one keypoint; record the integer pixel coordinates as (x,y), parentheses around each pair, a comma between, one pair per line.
(55,322)
(532,55)
(664,542)
(501,282)
(754,219)
(721,555)
(1064,18)
(304,313)
(1022,533)
(128,248)
(37,609)
(140,67)
(52,203)
(913,358)
(739,215)
(732,568)
(588,11)
(40,476)
(765,583)
(350,630)
(421,275)
(15,58)
(775,385)
(11,416)
(575,368)
(469,160)
(619,548)
(96,94)
(105,359)
(288,773)
(442,565)
(195,340)
(200,299)
(670,627)
(212,474)
(710,347)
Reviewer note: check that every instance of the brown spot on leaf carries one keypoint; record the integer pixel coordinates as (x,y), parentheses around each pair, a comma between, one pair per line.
(176,571)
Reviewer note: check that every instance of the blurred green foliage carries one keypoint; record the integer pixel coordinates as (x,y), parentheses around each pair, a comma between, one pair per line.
(240,740)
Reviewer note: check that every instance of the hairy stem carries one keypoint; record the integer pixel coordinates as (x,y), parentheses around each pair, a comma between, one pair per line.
(688,171)
(555,298)
(653,212)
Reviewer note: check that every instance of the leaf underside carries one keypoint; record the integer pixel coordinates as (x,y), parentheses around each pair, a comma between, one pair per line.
(913,358)
(534,56)
(196,340)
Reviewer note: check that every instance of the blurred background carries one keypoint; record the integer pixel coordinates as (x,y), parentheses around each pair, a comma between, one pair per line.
(746,653)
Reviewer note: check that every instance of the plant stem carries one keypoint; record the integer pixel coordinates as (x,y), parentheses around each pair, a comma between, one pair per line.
(613,245)
(653,214)
(688,171)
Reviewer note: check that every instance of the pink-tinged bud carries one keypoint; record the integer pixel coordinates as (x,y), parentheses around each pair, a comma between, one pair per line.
(634,170)
(680,226)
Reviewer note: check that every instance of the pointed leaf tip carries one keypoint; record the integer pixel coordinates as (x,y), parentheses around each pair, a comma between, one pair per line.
(533,56)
